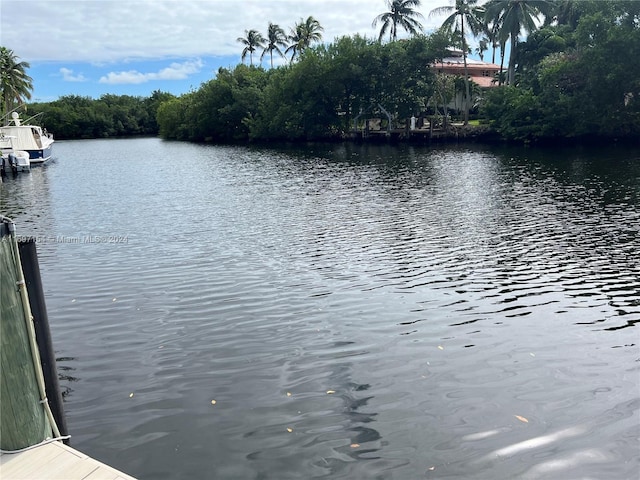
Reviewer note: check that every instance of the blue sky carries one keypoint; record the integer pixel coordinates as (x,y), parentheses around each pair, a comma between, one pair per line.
(133,47)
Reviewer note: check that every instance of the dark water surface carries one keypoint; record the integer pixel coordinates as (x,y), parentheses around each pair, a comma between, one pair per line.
(355,312)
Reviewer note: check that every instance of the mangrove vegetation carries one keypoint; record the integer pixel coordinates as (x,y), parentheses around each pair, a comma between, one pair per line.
(573,76)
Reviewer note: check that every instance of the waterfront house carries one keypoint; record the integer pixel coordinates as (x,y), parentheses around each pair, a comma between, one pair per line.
(484,74)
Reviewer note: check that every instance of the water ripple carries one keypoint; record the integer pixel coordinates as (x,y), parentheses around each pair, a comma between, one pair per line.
(343,311)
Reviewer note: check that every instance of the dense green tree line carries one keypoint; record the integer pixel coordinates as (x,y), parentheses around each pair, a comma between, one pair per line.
(317,97)
(73,116)
(572,78)
(576,77)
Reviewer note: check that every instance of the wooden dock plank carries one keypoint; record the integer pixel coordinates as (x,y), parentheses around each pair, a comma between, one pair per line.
(63,466)
(101,475)
(22,465)
(56,461)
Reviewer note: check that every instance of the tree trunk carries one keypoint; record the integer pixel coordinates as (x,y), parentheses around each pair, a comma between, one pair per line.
(466,76)
(501,63)
(512,59)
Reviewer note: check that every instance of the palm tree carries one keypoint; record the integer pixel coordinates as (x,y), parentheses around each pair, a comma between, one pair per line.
(312,32)
(463,11)
(295,39)
(15,84)
(276,38)
(303,34)
(513,17)
(251,41)
(483,46)
(502,42)
(401,14)
(565,12)
(492,32)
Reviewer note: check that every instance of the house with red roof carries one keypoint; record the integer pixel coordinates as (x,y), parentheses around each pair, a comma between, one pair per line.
(482,73)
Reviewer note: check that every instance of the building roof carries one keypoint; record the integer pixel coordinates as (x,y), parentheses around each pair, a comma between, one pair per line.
(472,64)
(480,72)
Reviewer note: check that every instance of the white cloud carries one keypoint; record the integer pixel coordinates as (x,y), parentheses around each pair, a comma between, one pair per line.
(130,77)
(175,71)
(68,76)
(116,30)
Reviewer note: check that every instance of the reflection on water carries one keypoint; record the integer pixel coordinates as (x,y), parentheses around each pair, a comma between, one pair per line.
(66,376)
(342,311)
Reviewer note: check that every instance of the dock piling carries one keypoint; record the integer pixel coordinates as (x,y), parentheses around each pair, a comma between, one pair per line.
(31,272)
(23,420)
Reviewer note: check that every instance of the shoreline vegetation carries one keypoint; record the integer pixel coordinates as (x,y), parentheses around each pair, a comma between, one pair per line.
(571,81)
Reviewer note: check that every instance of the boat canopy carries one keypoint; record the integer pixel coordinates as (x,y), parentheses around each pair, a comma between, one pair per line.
(27,137)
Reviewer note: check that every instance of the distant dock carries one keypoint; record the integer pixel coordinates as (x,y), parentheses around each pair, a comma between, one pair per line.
(455,132)
(55,461)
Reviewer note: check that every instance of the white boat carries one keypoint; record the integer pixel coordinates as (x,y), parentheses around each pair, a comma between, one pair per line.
(12,160)
(28,138)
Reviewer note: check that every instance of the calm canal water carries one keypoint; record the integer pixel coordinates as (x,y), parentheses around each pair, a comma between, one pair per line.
(355,312)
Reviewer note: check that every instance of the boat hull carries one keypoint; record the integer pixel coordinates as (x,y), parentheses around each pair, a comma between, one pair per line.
(40,155)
